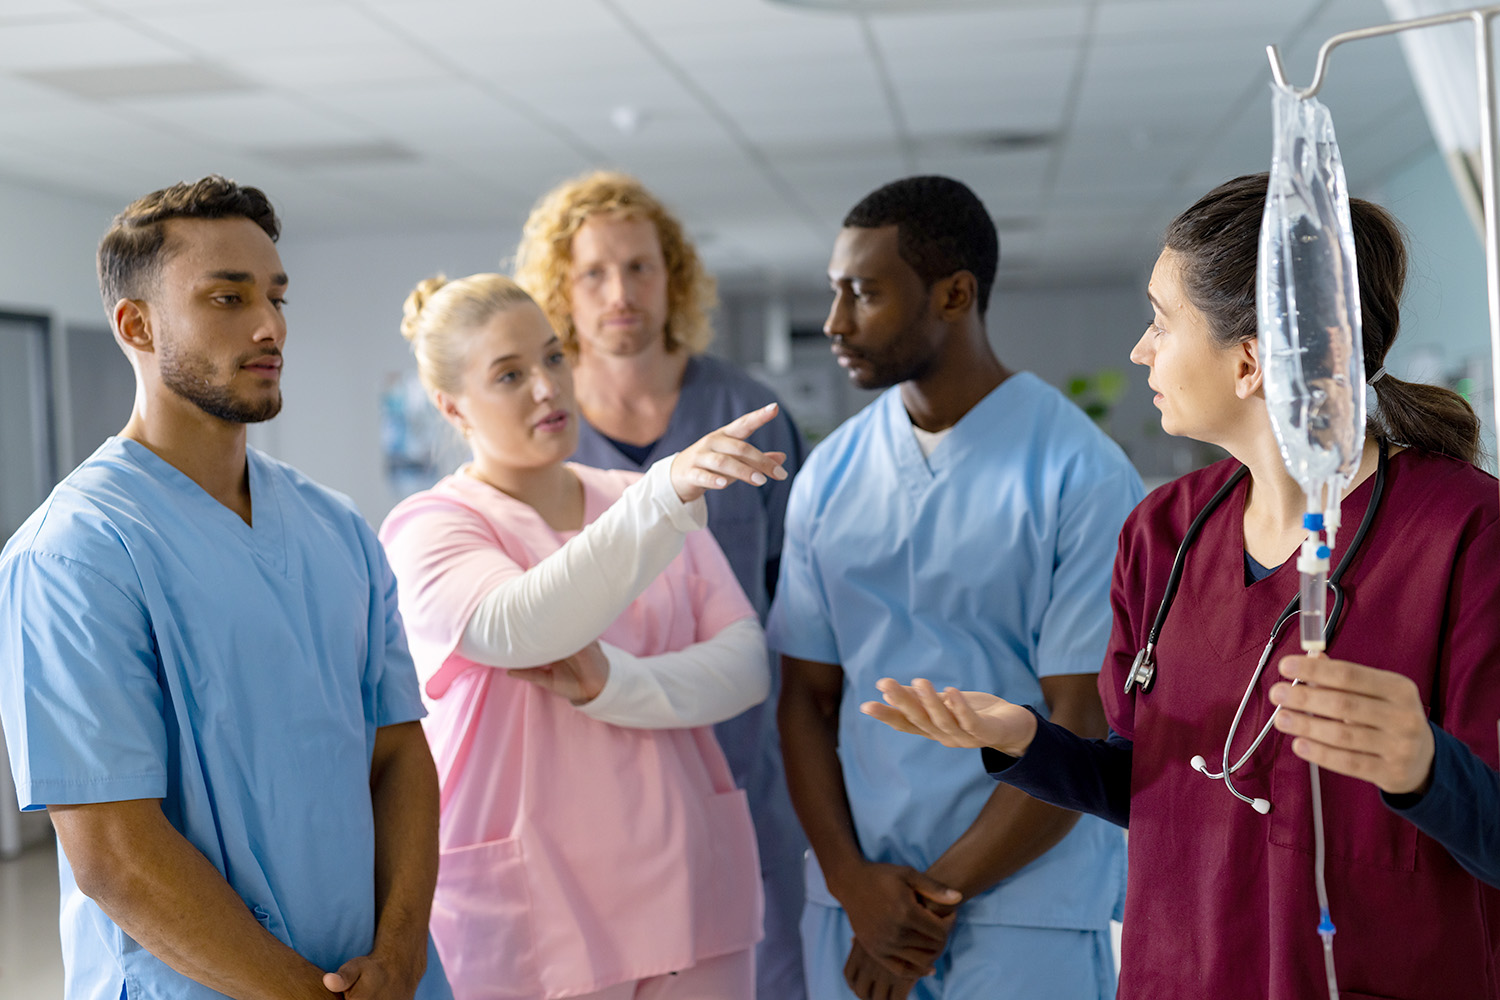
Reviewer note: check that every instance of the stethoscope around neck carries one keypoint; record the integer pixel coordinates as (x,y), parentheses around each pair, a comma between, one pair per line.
(1142,672)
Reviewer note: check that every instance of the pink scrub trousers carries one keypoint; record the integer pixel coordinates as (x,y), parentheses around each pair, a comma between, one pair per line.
(726,977)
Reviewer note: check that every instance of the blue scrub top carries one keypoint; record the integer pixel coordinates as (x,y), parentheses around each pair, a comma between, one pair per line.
(153,645)
(746,521)
(985,566)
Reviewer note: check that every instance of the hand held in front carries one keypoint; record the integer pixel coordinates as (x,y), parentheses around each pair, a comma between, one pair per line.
(725,456)
(889,913)
(954,718)
(578,678)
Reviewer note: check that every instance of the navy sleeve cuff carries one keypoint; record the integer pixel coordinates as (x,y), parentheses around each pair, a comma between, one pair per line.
(1460,809)
(1068,771)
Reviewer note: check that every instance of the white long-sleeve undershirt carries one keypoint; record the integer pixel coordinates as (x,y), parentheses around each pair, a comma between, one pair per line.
(564,602)
(567,600)
(705,683)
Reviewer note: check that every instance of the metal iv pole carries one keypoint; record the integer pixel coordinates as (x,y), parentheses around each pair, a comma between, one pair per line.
(1480,17)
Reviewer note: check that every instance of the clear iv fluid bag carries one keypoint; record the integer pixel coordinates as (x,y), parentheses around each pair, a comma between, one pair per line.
(1307,305)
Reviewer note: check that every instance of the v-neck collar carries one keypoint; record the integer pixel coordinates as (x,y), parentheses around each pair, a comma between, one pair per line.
(920,470)
(265,536)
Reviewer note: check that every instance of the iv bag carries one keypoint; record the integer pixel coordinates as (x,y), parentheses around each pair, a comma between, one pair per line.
(1307,304)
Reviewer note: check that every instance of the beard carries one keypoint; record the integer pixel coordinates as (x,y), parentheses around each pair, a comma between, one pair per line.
(193,379)
(906,361)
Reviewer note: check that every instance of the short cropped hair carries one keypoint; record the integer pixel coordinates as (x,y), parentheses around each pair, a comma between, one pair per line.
(545,255)
(132,252)
(941,228)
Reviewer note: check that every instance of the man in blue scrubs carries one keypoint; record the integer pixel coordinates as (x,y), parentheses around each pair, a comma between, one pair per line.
(202,670)
(629,297)
(961,527)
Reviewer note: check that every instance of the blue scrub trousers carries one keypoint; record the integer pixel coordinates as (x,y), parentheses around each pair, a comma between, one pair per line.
(982,962)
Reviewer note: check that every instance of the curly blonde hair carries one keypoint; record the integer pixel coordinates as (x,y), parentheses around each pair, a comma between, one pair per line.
(545,255)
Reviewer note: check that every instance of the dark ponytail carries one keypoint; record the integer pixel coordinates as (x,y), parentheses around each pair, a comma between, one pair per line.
(1216,242)
(1427,417)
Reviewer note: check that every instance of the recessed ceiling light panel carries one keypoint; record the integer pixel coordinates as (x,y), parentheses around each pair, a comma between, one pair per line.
(313,156)
(114,83)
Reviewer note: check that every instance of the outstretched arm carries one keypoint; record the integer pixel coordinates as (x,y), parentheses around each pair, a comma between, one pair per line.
(158,888)
(1076,773)
(563,603)
(1014,829)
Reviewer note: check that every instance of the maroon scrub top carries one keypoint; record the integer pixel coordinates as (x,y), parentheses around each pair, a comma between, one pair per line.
(1221,900)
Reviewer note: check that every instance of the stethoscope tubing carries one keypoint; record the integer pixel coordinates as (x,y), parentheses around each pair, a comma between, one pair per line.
(1143,672)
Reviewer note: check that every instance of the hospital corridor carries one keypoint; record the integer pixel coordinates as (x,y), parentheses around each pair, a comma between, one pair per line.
(749,500)
(30,958)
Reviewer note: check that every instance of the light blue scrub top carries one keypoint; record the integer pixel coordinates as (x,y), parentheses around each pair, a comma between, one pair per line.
(986,566)
(153,645)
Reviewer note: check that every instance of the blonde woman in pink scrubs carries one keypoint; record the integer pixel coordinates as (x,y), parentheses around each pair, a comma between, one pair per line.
(577,636)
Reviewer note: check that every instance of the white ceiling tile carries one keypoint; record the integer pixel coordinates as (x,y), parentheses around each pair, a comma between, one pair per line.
(1197,19)
(247,120)
(847,81)
(441,116)
(21,94)
(771,46)
(1019,91)
(386,63)
(221,32)
(62,44)
(999,31)
(674,15)
(133,8)
(18,11)
(781,124)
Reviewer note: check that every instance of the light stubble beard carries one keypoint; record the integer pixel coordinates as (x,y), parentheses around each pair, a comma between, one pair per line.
(192,379)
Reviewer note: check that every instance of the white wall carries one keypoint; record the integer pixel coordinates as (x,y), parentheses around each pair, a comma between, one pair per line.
(346,294)
(1444,316)
(1057,333)
(344,342)
(47,245)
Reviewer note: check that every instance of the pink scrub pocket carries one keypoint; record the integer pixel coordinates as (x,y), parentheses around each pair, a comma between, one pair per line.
(482,922)
(721,922)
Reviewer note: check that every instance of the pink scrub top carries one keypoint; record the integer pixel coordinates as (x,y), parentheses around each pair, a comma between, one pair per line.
(575,854)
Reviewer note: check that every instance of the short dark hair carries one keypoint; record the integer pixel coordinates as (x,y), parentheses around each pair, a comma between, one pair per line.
(1217,244)
(132,251)
(941,228)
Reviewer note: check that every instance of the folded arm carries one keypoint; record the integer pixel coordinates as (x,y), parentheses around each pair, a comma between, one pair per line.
(705,683)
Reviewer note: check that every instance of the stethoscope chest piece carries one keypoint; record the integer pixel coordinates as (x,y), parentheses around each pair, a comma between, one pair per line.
(1143,670)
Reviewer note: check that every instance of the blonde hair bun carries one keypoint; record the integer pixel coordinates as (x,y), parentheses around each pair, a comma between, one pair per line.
(411,311)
